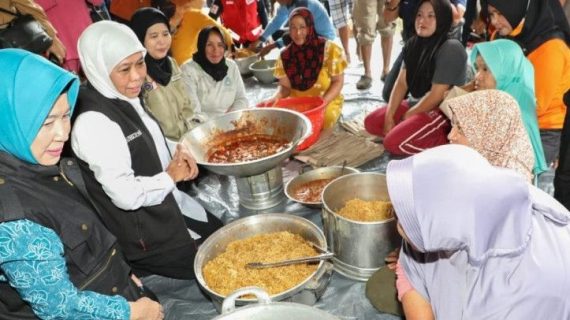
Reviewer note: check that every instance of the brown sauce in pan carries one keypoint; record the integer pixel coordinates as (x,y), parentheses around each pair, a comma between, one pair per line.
(246,148)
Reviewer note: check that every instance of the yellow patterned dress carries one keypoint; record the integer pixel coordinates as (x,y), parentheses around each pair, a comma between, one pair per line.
(333,65)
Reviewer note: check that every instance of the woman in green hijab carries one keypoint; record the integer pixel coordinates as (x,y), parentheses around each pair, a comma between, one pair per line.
(501,65)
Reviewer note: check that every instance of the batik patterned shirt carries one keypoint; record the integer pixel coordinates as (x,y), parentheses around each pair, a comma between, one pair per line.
(32,262)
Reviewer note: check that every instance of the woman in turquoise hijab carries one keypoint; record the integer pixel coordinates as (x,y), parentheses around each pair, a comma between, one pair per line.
(503,63)
(57,260)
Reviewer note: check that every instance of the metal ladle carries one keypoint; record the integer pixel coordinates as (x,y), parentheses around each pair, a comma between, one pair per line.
(261,265)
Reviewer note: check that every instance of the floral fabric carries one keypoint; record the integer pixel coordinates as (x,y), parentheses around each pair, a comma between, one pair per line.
(31,260)
(491,121)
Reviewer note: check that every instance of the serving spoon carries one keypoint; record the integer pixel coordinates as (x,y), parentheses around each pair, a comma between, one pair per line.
(261,265)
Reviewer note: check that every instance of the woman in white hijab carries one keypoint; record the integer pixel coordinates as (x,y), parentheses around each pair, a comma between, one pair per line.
(126,162)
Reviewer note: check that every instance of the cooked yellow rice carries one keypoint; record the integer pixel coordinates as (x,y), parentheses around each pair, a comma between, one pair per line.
(360,210)
(227,272)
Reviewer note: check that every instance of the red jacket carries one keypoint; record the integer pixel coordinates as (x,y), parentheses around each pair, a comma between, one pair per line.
(241,17)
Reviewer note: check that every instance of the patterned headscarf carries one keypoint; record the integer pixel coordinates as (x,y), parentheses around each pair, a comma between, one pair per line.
(303,63)
(491,122)
(29,87)
(514,74)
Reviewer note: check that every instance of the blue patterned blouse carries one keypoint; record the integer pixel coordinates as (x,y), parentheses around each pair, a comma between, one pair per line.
(31,260)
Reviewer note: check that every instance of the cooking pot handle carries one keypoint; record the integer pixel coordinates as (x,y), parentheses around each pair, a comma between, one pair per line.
(320,280)
(229,304)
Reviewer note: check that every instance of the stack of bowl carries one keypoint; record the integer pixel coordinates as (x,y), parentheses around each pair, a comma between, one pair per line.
(244,58)
(263,71)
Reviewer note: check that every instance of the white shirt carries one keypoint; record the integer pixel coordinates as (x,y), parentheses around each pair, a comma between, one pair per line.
(212,97)
(100,142)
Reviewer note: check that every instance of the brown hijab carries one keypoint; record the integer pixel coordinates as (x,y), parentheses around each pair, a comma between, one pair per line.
(491,121)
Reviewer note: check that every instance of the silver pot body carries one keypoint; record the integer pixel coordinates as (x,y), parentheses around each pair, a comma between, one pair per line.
(359,247)
(287,124)
(263,71)
(307,292)
(262,191)
(312,175)
(267,310)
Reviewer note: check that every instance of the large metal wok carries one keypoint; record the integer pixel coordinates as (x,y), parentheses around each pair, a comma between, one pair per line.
(290,125)
(307,292)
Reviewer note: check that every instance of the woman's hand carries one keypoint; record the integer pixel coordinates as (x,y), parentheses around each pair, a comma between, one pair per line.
(182,167)
(389,124)
(146,309)
(186,157)
(408,114)
(392,259)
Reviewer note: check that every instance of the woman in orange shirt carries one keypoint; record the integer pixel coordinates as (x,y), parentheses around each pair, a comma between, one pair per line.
(543,33)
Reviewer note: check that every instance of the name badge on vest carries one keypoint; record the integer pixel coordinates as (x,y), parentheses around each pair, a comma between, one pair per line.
(133,136)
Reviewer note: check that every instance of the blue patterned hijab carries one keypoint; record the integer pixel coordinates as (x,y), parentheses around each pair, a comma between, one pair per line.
(29,87)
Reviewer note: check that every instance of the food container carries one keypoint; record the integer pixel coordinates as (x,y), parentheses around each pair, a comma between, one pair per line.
(290,125)
(263,71)
(267,310)
(313,175)
(312,107)
(306,292)
(359,247)
(244,63)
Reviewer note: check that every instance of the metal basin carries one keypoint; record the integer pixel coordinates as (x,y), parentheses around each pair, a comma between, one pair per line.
(263,71)
(289,125)
(307,292)
(267,310)
(312,175)
(359,247)
(244,63)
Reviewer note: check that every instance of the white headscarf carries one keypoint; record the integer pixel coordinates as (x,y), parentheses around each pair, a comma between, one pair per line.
(102,46)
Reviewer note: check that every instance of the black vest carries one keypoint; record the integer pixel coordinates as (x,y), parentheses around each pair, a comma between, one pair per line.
(155,238)
(40,194)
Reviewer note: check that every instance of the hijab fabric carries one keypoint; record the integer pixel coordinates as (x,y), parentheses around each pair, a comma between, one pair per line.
(543,20)
(495,247)
(217,71)
(419,52)
(98,60)
(160,70)
(303,63)
(514,74)
(29,87)
(491,121)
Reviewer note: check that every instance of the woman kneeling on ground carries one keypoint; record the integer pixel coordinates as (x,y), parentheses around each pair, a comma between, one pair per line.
(432,65)
(311,66)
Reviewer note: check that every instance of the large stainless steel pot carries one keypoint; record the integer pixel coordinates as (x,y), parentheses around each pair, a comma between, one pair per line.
(267,310)
(307,292)
(287,124)
(359,247)
(312,175)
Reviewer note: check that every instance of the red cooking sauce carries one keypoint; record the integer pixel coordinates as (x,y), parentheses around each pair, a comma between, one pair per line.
(311,191)
(247,148)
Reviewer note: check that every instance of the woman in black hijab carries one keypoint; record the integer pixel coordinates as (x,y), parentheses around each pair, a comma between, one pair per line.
(432,64)
(163,90)
(214,83)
